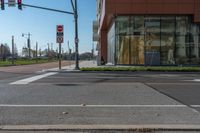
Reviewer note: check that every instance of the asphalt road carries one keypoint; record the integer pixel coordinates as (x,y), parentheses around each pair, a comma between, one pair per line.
(181,87)
(100,98)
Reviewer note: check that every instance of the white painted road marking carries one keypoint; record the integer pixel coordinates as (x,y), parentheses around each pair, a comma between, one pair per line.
(194,80)
(197,80)
(195,106)
(103,106)
(32,79)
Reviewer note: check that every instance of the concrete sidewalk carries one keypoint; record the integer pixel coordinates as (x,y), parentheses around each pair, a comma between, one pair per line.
(82,64)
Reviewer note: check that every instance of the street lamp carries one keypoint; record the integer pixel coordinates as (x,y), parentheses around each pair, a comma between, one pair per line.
(28,43)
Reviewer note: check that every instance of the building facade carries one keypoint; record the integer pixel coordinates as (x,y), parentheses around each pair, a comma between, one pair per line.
(148,32)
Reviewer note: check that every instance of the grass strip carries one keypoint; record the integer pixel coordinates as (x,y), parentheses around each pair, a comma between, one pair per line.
(142,68)
(23,62)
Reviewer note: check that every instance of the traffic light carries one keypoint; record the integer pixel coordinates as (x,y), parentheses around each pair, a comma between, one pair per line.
(19,2)
(2,5)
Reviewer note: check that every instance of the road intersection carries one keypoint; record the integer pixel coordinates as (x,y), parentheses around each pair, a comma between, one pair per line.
(100,98)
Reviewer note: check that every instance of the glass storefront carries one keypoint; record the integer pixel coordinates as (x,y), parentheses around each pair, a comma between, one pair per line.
(154,40)
(111,45)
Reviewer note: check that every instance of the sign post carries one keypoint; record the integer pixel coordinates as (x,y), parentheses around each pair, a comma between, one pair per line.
(60,40)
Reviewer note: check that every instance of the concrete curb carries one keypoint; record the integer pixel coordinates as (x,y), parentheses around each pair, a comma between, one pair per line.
(100,127)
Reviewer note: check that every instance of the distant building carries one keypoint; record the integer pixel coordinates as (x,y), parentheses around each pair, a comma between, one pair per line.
(4,51)
(148,32)
(25,52)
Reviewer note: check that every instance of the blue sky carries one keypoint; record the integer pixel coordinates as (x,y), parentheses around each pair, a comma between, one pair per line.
(42,24)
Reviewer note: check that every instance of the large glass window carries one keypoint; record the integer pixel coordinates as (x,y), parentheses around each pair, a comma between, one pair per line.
(137,41)
(152,41)
(168,40)
(157,40)
(123,29)
(193,40)
(182,28)
(130,40)
(111,45)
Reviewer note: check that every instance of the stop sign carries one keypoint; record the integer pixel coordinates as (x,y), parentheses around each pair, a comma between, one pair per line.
(60,34)
(60,28)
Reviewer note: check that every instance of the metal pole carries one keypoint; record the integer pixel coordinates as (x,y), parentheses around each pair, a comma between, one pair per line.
(40,52)
(48,52)
(76,36)
(60,56)
(29,45)
(36,52)
(51,46)
(2,52)
(13,46)
(92,51)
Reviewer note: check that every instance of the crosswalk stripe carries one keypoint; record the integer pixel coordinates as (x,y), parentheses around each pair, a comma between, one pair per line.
(32,79)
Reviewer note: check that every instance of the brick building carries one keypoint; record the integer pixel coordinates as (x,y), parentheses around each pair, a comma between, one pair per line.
(148,32)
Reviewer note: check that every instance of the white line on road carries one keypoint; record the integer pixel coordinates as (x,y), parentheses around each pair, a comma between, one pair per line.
(197,80)
(194,80)
(102,106)
(32,79)
(195,106)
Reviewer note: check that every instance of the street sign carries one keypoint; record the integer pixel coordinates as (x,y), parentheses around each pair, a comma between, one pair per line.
(60,34)
(11,3)
(60,28)
(59,39)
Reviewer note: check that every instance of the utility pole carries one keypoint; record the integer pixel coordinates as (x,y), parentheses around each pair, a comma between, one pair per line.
(36,51)
(1,51)
(29,45)
(40,52)
(13,49)
(48,50)
(70,51)
(92,51)
(76,35)
(51,46)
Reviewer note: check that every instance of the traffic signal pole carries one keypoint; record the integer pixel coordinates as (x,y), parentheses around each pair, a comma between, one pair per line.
(29,45)
(75,13)
(76,35)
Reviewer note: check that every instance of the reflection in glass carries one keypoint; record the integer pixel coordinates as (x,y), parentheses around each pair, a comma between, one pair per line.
(157,40)
(123,50)
(168,40)
(111,45)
